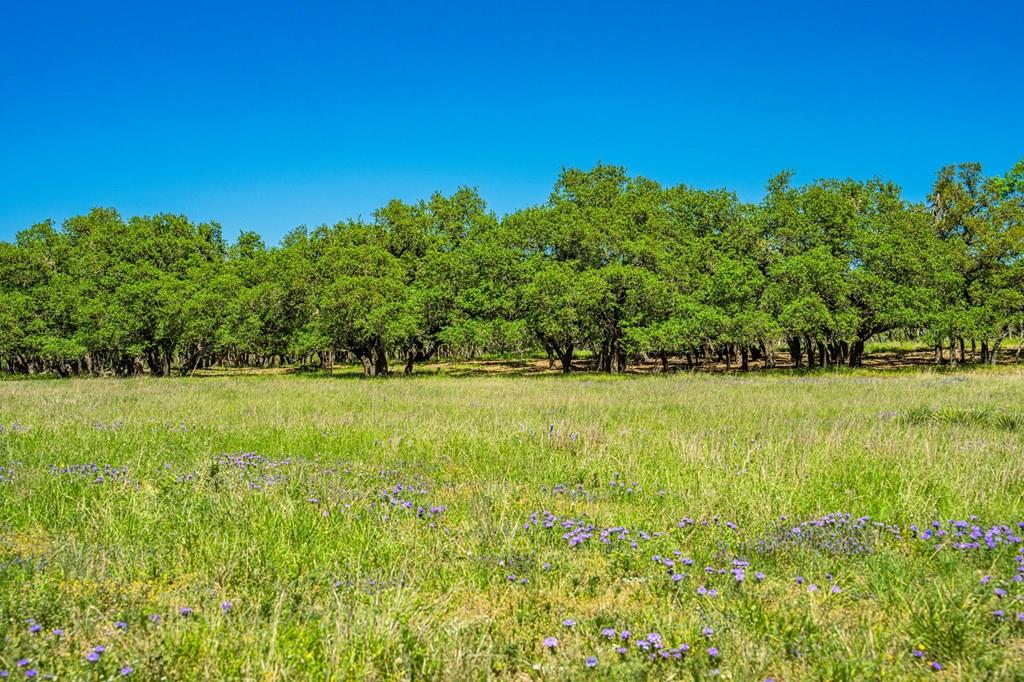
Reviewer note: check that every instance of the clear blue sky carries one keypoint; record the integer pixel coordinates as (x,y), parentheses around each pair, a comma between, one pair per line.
(267,115)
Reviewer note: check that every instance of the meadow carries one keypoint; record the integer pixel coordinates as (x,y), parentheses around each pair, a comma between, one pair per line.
(849,525)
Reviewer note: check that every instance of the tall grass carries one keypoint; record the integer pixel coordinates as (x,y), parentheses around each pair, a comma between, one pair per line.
(330,576)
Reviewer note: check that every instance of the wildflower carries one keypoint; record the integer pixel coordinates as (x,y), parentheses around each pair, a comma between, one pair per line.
(676,577)
(185,611)
(550,642)
(836,589)
(31,672)
(936,666)
(127,670)
(759,576)
(58,632)
(121,625)
(225,606)
(608,633)
(625,634)
(92,657)
(707,631)
(713,652)
(591,661)
(621,650)
(918,653)
(569,623)
(34,628)
(999,592)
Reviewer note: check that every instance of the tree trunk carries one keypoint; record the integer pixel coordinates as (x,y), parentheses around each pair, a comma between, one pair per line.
(795,354)
(995,350)
(566,358)
(380,360)
(856,353)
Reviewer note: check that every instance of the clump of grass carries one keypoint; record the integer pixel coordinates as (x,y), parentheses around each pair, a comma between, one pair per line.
(983,417)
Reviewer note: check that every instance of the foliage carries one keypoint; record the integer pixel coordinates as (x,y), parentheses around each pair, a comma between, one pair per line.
(615,265)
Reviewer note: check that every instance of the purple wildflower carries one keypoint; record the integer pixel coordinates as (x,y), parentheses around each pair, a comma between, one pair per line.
(591,661)
(713,652)
(569,623)
(550,642)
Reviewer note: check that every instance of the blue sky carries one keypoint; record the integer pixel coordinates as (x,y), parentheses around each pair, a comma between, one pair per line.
(268,115)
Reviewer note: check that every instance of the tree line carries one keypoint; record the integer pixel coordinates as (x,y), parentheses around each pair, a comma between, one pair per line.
(617,265)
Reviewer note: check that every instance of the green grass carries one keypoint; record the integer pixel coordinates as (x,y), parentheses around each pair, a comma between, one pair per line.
(328,580)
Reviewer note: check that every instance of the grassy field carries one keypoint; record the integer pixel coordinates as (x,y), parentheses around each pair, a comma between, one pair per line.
(819,526)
